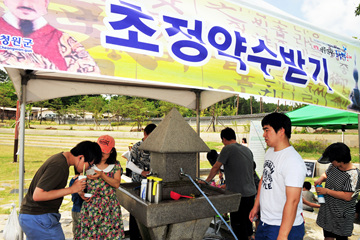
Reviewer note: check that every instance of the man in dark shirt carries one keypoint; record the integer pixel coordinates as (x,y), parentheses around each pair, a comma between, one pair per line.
(141,162)
(39,213)
(238,164)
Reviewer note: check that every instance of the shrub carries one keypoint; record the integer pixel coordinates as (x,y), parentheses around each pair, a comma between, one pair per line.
(115,124)
(309,146)
(302,131)
(324,131)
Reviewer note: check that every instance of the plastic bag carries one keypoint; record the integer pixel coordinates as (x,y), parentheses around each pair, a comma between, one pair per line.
(12,228)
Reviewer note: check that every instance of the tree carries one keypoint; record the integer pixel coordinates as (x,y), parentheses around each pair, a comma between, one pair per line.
(76,110)
(118,106)
(41,105)
(57,106)
(219,109)
(7,93)
(357,10)
(139,110)
(95,105)
(81,105)
(164,108)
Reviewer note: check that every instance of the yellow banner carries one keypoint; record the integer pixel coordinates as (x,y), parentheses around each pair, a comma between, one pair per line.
(203,43)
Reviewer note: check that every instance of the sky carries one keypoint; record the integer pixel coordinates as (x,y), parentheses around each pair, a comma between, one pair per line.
(334,15)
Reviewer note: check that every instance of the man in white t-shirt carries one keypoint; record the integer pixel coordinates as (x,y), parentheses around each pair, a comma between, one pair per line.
(279,196)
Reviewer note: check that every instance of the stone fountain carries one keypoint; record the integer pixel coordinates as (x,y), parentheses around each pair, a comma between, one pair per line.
(174,145)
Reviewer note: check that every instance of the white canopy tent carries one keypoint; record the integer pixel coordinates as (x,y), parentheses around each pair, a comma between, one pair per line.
(33,86)
(43,85)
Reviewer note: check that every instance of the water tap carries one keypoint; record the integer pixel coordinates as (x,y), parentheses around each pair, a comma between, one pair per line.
(182,174)
(151,174)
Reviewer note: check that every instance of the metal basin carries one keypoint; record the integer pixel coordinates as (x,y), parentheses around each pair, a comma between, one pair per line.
(170,211)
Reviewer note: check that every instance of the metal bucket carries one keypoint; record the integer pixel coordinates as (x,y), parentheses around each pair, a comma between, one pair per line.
(157,190)
(149,189)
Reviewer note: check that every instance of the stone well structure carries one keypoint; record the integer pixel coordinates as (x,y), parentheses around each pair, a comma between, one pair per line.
(174,145)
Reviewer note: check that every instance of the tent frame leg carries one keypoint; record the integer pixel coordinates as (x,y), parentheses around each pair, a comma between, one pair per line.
(198,99)
(24,81)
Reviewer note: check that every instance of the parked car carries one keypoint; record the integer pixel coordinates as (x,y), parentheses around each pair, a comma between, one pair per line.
(49,116)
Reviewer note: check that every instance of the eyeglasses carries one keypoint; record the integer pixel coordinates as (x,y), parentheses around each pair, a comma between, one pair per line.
(90,163)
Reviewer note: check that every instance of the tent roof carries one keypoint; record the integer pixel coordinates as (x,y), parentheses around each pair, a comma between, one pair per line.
(315,117)
(43,85)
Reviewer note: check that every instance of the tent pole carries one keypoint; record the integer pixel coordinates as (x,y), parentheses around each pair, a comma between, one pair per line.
(198,112)
(197,93)
(359,132)
(16,141)
(343,133)
(22,141)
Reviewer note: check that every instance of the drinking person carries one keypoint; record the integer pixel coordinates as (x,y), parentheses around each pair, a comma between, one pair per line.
(101,216)
(39,213)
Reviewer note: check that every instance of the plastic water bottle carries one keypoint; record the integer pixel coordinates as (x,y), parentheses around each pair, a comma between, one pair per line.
(321,198)
(143,189)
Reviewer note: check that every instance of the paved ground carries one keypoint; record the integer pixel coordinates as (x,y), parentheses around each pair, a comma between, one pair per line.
(313,232)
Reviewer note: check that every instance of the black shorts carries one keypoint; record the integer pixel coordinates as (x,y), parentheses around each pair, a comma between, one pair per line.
(333,235)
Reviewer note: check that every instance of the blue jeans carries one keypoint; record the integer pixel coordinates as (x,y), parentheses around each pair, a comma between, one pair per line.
(44,226)
(271,232)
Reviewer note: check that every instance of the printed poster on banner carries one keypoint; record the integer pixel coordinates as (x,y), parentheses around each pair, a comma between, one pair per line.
(211,44)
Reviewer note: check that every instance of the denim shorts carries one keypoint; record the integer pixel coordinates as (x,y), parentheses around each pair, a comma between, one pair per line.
(44,226)
(271,232)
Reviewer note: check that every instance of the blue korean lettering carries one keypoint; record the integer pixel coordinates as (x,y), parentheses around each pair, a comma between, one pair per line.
(265,62)
(136,30)
(289,57)
(295,68)
(186,44)
(317,68)
(340,55)
(5,39)
(177,25)
(27,42)
(16,41)
(212,38)
(177,47)
(239,48)
(326,74)
(317,71)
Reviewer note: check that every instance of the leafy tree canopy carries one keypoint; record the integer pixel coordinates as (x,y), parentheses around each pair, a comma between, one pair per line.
(357,10)
(136,108)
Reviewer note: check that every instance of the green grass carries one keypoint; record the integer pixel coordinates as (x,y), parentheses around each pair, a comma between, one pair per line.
(35,156)
(215,145)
